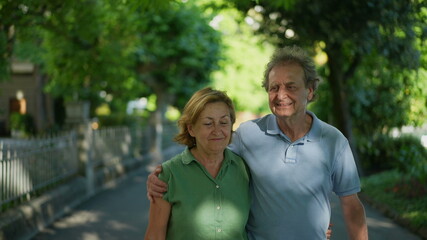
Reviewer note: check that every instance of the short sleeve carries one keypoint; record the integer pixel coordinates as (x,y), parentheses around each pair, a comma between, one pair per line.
(165,176)
(345,177)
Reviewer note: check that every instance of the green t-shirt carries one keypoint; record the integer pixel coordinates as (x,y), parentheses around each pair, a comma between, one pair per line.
(204,207)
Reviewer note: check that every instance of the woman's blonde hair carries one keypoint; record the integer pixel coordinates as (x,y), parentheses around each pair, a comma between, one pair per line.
(194,107)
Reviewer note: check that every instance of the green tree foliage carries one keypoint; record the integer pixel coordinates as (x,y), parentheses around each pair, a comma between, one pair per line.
(176,55)
(242,68)
(113,51)
(386,92)
(22,124)
(177,51)
(16,16)
(86,48)
(83,59)
(352,34)
(349,32)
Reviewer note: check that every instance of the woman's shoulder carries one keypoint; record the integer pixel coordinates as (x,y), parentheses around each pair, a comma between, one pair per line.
(179,161)
(238,161)
(178,165)
(233,156)
(169,166)
(175,160)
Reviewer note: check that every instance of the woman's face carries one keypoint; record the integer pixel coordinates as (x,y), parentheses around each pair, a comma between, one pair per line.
(212,129)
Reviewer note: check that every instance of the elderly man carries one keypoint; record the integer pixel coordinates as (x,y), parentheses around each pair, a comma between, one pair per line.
(295,159)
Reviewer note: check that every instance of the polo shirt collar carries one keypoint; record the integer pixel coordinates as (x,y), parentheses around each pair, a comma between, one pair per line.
(272,126)
(187,157)
(316,129)
(312,136)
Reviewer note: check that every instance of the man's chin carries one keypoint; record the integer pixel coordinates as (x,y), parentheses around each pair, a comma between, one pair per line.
(283,112)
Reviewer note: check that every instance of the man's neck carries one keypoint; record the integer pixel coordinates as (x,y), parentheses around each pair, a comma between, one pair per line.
(295,128)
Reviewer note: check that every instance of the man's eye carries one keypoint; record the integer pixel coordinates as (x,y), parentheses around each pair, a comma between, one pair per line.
(273,88)
(207,124)
(224,123)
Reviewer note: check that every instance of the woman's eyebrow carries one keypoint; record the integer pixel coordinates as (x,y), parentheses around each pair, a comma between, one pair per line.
(211,118)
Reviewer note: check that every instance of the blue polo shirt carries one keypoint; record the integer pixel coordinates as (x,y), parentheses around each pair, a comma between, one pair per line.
(291,181)
(204,207)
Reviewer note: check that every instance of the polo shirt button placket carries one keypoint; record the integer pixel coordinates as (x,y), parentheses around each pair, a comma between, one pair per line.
(290,154)
(218,208)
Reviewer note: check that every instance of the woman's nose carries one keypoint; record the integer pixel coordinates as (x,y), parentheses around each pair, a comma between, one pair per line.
(216,128)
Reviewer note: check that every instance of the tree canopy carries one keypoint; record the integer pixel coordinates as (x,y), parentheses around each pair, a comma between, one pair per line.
(86,47)
(353,35)
(175,56)
(241,69)
(370,50)
(18,16)
(178,52)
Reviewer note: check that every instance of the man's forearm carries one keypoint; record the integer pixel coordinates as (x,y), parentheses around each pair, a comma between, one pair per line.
(357,227)
(354,216)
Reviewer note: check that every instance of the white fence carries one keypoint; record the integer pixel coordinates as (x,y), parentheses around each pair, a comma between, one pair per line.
(110,145)
(27,166)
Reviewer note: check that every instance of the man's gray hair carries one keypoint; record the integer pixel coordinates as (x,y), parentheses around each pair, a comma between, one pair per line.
(294,54)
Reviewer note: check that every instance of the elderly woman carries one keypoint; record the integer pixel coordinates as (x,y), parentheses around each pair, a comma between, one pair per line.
(208,185)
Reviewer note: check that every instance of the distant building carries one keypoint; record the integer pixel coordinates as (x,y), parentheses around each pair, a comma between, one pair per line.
(23,93)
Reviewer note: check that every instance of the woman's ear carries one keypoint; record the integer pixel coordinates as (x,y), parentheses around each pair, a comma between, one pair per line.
(190,130)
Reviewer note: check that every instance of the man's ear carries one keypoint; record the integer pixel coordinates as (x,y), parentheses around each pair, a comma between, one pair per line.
(310,94)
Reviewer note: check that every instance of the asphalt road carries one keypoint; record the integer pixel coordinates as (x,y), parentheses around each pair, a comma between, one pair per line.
(121,213)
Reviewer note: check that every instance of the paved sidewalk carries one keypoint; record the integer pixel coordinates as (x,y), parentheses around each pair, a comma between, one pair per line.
(118,213)
(121,213)
(379,227)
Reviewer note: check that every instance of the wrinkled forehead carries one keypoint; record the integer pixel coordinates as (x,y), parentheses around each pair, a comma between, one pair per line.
(290,72)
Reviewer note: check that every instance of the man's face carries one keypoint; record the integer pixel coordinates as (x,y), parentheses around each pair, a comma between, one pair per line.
(287,93)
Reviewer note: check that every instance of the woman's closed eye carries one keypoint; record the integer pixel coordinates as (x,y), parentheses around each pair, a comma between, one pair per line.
(225,123)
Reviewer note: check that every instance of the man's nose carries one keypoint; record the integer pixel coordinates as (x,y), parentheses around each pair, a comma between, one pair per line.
(282,93)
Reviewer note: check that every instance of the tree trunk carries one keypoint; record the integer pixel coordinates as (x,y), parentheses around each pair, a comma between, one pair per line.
(7,51)
(341,111)
(157,120)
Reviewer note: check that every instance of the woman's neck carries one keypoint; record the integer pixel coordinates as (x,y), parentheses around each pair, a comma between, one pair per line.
(211,161)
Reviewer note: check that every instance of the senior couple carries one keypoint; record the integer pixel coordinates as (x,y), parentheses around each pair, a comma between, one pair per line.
(271,181)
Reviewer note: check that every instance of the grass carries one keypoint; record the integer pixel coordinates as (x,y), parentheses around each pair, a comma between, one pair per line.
(399,197)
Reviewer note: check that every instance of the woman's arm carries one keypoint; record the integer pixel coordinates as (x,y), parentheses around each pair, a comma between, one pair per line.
(158,220)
